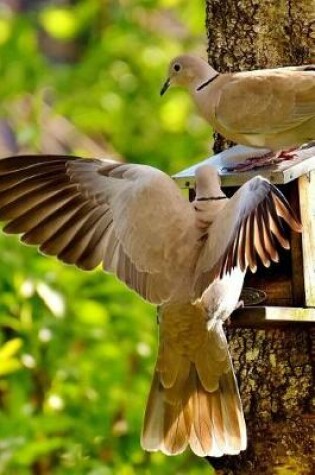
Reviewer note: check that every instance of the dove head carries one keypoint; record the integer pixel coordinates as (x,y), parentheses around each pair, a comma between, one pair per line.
(188,71)
(208,183)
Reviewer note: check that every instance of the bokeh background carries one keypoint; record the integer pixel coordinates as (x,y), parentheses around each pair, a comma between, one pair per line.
(77,349)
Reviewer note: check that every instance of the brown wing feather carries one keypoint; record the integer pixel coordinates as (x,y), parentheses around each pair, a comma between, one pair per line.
(88,212)
(259,241)
(276,101)
(253,230)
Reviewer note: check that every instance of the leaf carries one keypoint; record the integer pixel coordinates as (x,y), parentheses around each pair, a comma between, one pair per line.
(34,450)
(9,366)
(8,363)
(10,348)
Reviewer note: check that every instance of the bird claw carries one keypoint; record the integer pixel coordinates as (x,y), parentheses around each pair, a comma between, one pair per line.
(266,160)
(251,163)
(283,155)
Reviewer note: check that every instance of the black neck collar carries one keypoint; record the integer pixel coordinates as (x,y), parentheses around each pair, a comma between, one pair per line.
(204,84)
(211,198)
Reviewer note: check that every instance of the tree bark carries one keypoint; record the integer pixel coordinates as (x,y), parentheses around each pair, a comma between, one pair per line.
(275,368)
(253,34)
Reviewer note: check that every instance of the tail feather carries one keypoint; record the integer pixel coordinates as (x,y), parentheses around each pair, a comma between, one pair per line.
(211,423)
(152,433)
(218,425)
(175,438)
(181,385)
(166,421)
(168,365)
(194,398)
(201,438)
(232,413)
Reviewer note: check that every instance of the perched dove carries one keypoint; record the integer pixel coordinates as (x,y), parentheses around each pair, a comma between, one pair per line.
(271,108)
(189,258)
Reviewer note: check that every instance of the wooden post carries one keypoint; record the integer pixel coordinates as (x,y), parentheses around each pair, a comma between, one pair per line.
(274,366)
(306,189)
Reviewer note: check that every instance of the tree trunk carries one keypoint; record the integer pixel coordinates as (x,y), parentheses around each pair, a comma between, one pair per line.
(275,368)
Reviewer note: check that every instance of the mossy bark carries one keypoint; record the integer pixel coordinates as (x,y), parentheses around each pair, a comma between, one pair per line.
(275,368)
(252,34)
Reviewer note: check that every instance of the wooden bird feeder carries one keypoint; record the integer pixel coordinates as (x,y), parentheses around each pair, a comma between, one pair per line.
(283,294)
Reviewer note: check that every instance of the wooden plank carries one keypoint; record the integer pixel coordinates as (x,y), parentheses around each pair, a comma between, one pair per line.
(299,167)
(282,173)
(272,317)
(306,186)
(296,254)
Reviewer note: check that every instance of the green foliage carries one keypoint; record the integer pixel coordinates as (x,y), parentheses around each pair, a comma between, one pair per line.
(77,349)
(8,360)
(113,89)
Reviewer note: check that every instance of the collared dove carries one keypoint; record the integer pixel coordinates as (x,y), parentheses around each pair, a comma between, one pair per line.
(271,108)
(189,258)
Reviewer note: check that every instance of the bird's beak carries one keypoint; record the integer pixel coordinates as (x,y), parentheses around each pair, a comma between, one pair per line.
(165,87)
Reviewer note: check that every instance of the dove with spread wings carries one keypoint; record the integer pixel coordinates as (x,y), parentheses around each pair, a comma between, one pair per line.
(188,258)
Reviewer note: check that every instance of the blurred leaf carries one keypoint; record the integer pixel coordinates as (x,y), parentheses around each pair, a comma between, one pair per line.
(60,23)
(10,348)
(9,366)
(5,30)
(34,450)
(54,300)
(8,362)
(76,404)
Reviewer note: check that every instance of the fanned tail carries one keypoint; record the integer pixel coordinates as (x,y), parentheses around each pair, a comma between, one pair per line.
(193,409)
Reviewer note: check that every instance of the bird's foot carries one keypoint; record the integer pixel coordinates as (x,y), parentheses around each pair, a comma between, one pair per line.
(288,154)
(251,163)
(270,158)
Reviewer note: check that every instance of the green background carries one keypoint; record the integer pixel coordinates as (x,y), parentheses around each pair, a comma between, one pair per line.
(77,349)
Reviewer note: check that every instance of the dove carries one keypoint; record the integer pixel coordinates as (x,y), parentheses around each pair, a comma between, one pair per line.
(270,108)
(187,258)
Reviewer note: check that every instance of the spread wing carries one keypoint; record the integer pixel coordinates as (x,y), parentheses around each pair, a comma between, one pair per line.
(252,226)
(86,212)
(267,102)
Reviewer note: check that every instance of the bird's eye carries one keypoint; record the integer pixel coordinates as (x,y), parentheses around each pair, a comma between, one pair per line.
(177,67)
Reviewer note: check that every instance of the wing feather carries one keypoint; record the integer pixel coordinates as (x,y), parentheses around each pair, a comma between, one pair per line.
(130,218)
(259,241)
(268,235)
(252,225)
(275,101)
